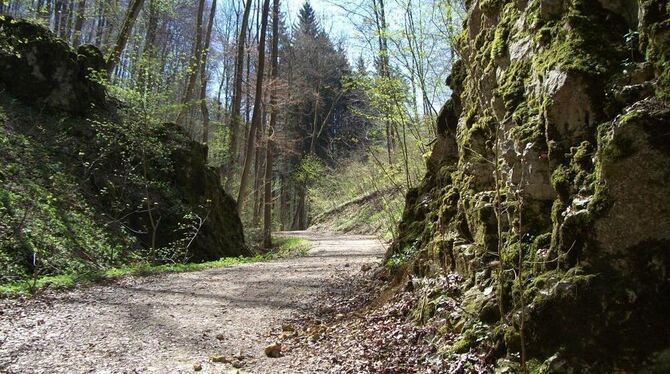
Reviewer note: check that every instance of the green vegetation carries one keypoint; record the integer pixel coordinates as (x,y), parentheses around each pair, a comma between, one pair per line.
(363,196)
(284,247)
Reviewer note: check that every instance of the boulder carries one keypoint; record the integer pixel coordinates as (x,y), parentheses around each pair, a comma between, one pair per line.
(43,70)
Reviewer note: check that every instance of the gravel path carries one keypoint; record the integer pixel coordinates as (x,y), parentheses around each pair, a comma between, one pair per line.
(168,323)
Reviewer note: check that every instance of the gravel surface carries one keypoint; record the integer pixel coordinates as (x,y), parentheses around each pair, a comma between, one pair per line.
(173,322)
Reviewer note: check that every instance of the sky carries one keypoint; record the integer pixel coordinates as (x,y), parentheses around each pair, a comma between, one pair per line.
(333,19)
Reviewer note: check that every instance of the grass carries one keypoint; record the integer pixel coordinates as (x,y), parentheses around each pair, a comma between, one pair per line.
(284,247)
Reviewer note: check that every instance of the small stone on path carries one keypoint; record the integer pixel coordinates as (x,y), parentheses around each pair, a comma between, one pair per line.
(221,359)
(273,350)
(287,327)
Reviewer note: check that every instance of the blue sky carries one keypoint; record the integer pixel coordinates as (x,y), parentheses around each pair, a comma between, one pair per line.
(328,13)
(332,18)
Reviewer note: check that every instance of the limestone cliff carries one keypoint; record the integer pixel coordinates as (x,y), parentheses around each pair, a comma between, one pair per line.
(548,190)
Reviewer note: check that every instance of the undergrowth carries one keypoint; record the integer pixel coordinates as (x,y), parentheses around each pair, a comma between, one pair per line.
(364,195)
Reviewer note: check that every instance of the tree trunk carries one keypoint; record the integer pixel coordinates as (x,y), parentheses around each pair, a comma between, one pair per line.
(79,22)
(124,35)
(384,68)
(235,111)
(152,29)
(203,76)
(100,26)
(58,9)
(259,172)
(69,24)
(147,73)
(300,211)
(196,60)
(274,74)
(256,117)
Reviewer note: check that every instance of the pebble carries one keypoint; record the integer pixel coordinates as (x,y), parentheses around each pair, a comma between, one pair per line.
(273,350)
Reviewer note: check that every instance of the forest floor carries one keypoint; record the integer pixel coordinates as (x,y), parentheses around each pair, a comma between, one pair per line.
(176,323)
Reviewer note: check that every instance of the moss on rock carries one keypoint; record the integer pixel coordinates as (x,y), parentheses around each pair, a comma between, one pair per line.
(588,257)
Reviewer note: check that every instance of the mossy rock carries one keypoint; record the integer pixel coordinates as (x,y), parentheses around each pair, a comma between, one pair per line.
(41,69)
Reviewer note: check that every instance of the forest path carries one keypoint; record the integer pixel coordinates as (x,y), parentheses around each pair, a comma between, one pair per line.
(167,323)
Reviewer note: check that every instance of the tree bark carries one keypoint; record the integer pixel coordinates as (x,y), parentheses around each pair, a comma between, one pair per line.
(274,73)
(152,29)
(124,35)
(384,69)
(69,24)
(237,95)
(100,26)
(203,76)
(79,22)
(58,9)
(256,117)
(196,60)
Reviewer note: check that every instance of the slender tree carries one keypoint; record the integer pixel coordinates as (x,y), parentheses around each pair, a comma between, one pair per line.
(79,22)
(194,67)
(384,67)
(203,75)
(235,110)
(124,35)
(256,116)
(274,72)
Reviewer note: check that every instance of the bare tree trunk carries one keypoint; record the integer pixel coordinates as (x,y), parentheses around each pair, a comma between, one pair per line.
(283,203)
(124,35)
(196,59)
(256,117)
(384,68)
(300,212)
(79,22)
(259,171)
(69,24)
(203,76)
(58,9)
(152,29)
(100,26)
(237,96)
(274,74)
(147,73)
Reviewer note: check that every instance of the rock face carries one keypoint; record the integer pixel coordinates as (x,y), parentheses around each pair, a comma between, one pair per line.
(199,185)
(190,207)
(550,182)
(41,69)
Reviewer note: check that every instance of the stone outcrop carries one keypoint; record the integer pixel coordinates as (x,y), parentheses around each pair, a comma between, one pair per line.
(549,184)
(187,194)
(200,185)
(41,69)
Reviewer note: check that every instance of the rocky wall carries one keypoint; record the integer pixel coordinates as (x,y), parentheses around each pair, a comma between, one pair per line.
(549,183)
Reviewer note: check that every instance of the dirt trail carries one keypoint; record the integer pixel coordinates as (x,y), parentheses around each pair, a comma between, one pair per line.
(166,323)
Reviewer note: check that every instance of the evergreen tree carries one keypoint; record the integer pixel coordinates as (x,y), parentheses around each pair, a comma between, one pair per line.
(307,22)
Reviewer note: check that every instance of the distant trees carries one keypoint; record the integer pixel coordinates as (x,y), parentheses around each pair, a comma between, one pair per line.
(270,131)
